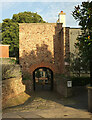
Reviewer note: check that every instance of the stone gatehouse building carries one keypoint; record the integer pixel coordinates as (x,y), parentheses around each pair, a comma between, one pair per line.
(47,45)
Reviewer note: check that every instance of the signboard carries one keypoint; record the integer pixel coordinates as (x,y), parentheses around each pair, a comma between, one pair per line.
(69,83)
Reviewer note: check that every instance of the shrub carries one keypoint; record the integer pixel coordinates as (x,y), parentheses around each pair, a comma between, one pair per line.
(10,69)
(8,61)
(80,81)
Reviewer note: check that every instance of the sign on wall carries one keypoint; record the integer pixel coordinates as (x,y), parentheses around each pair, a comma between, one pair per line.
(69,83)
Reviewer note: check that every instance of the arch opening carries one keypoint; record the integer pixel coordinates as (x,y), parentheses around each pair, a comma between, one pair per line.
(43,79)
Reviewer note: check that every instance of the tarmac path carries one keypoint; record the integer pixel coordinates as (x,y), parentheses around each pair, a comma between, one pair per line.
(47,104)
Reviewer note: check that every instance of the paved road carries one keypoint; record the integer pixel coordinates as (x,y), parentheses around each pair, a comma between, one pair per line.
(47,104)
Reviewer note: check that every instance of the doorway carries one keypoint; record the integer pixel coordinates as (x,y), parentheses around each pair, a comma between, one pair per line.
(43,79)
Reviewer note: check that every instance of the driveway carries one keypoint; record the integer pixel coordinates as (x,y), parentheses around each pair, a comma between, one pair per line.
(47,104)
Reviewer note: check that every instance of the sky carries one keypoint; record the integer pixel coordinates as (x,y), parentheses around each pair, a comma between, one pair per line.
(48,10)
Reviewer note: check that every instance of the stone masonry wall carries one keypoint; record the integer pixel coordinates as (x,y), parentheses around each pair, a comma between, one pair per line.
(45,45)
(40,43)
(11,88)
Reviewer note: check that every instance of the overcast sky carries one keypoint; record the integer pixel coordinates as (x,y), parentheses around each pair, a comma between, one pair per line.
(48,10)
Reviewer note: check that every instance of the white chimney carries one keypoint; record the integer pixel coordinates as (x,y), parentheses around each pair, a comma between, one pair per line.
(62,19)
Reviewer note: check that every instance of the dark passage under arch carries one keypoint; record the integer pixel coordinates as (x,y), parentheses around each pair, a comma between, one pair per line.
(43,79)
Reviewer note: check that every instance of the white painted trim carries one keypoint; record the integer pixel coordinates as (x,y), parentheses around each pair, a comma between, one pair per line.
(4,45)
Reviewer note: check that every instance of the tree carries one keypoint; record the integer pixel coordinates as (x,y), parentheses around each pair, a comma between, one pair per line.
(78,65)
(10,35)
(0,32)
(10,29)
(27,17)
(83,14)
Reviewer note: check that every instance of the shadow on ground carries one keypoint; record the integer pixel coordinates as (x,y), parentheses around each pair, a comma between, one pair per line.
(79,100)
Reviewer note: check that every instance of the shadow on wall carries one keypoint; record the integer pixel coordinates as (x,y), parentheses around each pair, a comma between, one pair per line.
(39,55)
(48,53)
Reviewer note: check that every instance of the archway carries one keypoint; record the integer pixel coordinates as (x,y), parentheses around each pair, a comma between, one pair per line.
(43,79)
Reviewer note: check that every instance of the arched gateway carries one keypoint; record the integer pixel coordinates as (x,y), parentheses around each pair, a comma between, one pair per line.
(42,50)
(43,79)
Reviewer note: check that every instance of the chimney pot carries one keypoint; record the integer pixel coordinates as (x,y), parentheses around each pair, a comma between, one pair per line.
(61,11)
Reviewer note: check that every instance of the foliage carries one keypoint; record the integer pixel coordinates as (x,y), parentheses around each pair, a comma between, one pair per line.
(78,65)
(0,26)
(27,17)
(83,14)
(0,32)
(37,74)
(45,70)
(13,61)
(10,71)
(10,35)
(80,81)
(10,29)
(8,61)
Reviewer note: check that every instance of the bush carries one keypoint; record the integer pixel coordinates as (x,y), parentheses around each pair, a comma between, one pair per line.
(8,61)
(80,81)
(10,69)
